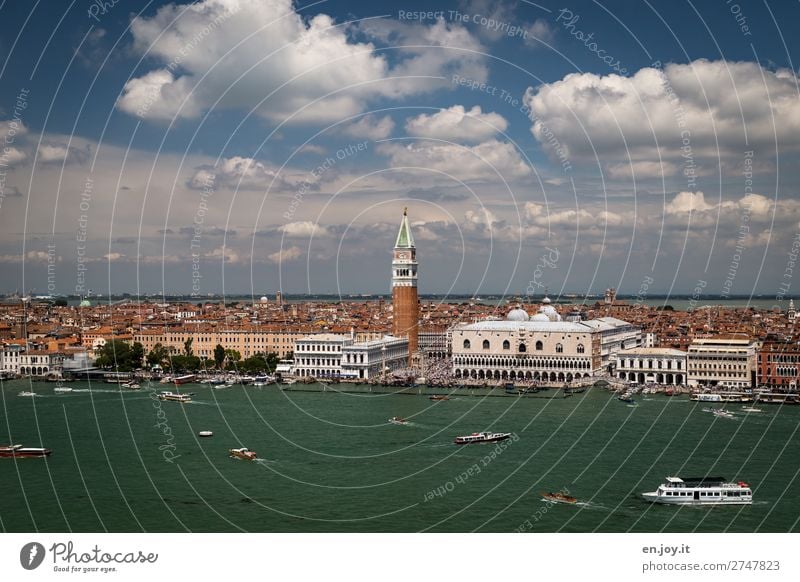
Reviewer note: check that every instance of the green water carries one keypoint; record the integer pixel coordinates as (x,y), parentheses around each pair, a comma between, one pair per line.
(333,463)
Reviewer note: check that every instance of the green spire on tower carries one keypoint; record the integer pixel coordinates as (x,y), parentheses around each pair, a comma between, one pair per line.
(404,238)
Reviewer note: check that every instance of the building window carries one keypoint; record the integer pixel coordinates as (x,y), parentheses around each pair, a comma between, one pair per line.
(539,346)
(559,349)
(485,344)
(506,345)
(466,344)
(522,348)
(580,348)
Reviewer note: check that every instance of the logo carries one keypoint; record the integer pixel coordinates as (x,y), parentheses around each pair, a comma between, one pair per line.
(31,555)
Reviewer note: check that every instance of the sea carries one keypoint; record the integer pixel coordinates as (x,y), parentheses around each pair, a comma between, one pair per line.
(124,461)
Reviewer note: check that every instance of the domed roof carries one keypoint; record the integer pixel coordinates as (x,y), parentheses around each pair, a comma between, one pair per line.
(264,299)
(550,312)
(517,315)
(540,317)
(85,303)
(546,300)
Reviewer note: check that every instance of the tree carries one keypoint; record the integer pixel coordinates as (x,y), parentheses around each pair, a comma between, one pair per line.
(137,354)
(118,355)
(157,355)
(219,355)
(232,357)
(187,347)
(60,302)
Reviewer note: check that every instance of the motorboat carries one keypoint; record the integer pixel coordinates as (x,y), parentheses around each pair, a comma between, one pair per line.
(750,409)
(559,497)
(700,491)
(205,433)
(723,414)
(223,386)
(439,397)
(398,420)
(174,397)
(18,451)
(243,453)
(26,393)
(482,437)
(627,397)
(60,389)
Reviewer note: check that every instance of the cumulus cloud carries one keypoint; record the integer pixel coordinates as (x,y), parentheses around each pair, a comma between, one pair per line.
(491,160)
(685,202)
(238,173)
(244,50)
(370,127)
(285,255)
(59,153)
(304,229)
(457,124)
(11,156)
(642,117)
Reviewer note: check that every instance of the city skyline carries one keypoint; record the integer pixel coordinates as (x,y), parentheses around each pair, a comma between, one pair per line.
(535,146)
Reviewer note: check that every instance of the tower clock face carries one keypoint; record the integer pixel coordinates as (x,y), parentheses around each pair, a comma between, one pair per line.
(402,255)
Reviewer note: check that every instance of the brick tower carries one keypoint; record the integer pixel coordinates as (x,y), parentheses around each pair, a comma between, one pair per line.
(404,287)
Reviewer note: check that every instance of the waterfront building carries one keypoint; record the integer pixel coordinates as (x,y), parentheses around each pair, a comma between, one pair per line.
(542,347)
(10,357)
(434,344)
(727,361)
(651,365)
(374,358)
(779,364)
(40,362)
(320,355)
(405,302)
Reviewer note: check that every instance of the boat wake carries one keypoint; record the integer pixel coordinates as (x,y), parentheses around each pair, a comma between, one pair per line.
(264,461)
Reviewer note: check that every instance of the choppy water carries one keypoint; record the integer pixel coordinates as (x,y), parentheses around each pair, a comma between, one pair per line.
(331,462)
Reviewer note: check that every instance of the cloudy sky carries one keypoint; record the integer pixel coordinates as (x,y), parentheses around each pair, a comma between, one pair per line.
(247,146)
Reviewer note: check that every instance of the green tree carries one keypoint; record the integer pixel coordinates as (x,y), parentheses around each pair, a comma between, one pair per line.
(118,355)
(157,355)
(232,357)
(60,302)
(187,347)
(137,354)
(219,355)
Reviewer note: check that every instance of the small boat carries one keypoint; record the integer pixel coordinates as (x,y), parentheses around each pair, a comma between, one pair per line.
(244,453)
(18,451)
(174,397)
(131,385)
(559,497)
(223,386)
(26,393)
(482,437)
(701,491)
(398,420)
(750,409)
(723,414)
(205,433)
(627,397)
(62,389)
(439,397)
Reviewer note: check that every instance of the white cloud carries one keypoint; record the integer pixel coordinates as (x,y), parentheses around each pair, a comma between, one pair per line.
(640,117)
(304,229)
(239,51)
(370,127)
(688,202)
(457,124)
(12,156)
(238,173)
(285,255)
(539,30)
(57,153)
(642,170)
(491,160)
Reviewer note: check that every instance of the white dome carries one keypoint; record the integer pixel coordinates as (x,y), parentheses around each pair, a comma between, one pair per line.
(264,299)
(517,315)
(546,300)
(540,317)
(550,312)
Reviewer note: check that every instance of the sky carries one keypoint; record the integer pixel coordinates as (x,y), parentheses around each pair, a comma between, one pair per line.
(251,146)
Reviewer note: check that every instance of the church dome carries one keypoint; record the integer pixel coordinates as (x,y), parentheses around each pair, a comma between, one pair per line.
(85,303)
(264,299)
(550,312)
(540,317)
(546,300)
(517,315)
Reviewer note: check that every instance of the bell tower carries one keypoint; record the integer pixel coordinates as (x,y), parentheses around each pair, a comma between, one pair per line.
(404,287)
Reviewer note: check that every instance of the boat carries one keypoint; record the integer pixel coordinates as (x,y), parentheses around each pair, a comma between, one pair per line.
(398,420)
(223,386)
(185,379)
(18,451)
(244,453)
(62,389)
(723,414)
(559,497)
(439,397)
(205,433)
(174,397)
(750,409)
(627,397)
(720,397)
(130,385)
(26,393)
(700,491)
(482,437)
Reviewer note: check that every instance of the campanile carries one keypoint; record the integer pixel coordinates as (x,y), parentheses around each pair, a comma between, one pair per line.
(405,302)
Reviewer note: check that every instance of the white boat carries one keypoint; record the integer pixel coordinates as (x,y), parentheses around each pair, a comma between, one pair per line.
(398,420)
(26,393)
(750,409)
(223,386)
(205,433)
(723,414)
(174,397)
(720,397)
(62,389)
(482,437)
(700,491)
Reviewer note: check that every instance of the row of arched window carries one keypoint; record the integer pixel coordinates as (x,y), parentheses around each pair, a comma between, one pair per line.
(512,362)
(522,348)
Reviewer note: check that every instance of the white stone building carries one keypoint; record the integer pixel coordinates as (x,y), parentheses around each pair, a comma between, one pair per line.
(10,357)
(320,355)
(648,365)
(724,361)
(373,358)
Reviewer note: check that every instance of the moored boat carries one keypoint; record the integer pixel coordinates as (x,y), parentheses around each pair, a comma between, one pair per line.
(185,379)
(700,491)
(18,451)
(243,453)
(482,437)
(559,497)
(398,420)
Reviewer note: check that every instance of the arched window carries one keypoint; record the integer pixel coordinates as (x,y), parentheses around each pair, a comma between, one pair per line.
(580,348)
(522,348)
(559,349)
(506,345)
(485,344)
(466,344)
(539,346)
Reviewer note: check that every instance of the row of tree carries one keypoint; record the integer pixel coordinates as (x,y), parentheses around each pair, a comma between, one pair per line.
(120,356)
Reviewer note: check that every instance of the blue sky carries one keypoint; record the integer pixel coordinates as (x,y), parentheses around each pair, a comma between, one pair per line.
(240,146)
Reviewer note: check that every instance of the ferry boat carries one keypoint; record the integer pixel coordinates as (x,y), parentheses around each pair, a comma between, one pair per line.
(244,453)
(559,497)
(185,379)
(701,491)
(482,437)
(18,451)
(398,420)
(720,397)
(174,397)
